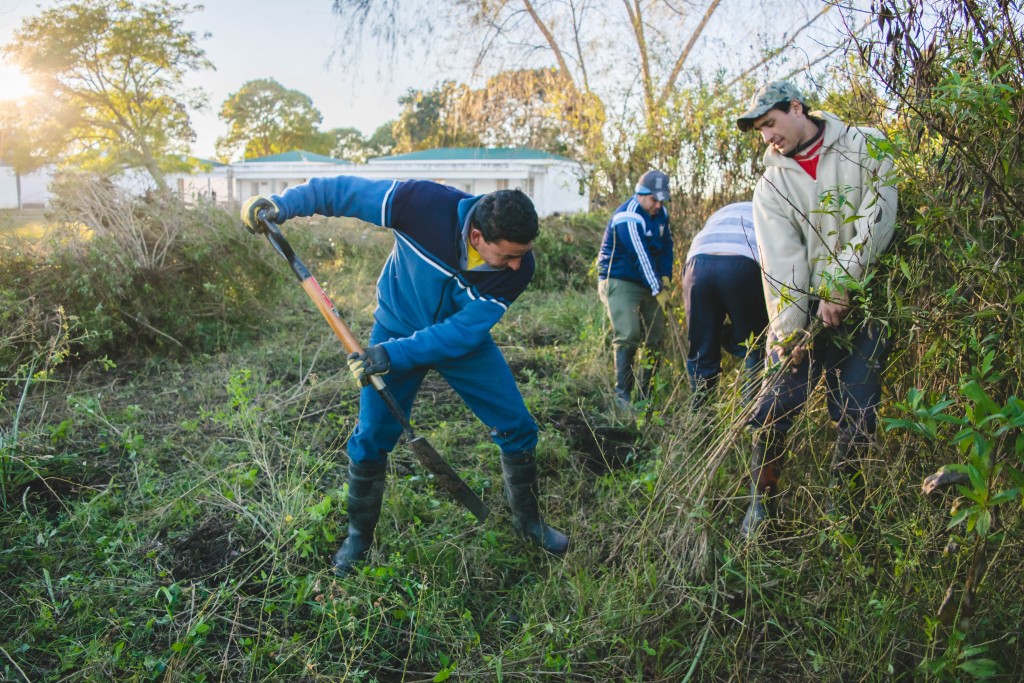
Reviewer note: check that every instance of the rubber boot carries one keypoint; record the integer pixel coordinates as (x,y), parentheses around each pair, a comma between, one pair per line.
(845,495)
(765,469)
(519,472)
(624,378)
(365,495)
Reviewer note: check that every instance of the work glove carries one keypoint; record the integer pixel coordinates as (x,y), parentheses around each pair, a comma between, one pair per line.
(374,360)
(664,293)
(252,206)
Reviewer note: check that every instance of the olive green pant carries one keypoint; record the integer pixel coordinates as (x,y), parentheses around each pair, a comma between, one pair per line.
(637,319)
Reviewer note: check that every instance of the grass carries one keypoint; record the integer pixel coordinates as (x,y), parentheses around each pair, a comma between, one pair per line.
(22,224)
(176,520)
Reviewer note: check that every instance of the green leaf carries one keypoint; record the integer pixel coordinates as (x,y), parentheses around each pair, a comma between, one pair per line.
(1005,497)
(984,406)
(983,523)
(906,270)
(978,479)
(979,668)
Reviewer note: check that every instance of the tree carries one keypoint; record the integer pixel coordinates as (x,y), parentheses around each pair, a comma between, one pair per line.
(351,145)
(12,122)
(110,77)
(536,108)
(265,118)
(620,62)
(430,118)
(382,141)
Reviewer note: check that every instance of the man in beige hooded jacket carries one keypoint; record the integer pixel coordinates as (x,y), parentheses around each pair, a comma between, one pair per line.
(824,211)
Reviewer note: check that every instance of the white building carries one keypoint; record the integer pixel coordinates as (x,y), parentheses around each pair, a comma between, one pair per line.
(33,190)
(28,191)
(556,184)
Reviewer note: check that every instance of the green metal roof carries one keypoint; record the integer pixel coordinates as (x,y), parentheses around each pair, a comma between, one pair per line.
(297,155)
(473,154)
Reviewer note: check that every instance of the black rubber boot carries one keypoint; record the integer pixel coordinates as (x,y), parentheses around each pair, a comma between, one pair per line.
(624,378)
(845,495)
(765,469)
(365,495)
(519,472)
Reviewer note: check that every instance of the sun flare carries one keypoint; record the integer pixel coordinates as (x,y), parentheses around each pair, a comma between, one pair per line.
(14,85)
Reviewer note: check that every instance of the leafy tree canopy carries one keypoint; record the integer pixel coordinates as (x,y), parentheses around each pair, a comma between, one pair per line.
(264,117)
(109,74)
(430,119)
(382,142)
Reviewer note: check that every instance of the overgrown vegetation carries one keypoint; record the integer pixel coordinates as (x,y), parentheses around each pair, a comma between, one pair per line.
(169,506)
(128,274)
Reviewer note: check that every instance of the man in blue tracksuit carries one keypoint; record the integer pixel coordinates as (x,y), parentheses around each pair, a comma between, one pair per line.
(634,273)
(458,263)
(723,278)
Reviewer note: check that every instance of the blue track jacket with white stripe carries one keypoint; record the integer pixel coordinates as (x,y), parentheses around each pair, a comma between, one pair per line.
(435,308)
(636,247)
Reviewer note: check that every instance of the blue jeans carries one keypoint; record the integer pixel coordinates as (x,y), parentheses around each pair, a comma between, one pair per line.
(715,286)
(852,358)
(481,378)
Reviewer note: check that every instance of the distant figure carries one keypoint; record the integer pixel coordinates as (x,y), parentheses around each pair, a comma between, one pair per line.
(824,211)
(722,278)
(634,272)
(458,263)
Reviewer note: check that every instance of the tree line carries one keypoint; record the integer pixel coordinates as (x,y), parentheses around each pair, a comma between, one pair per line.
(110,92)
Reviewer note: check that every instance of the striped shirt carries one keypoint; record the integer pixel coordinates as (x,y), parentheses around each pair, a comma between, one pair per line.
(729,231)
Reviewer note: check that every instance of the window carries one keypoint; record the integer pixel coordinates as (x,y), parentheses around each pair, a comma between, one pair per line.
(503,184)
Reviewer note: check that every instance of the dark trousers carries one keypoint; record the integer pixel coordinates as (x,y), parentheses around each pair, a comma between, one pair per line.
(852,358)
(715,286)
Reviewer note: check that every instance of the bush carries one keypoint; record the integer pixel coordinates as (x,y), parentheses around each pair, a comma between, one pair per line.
(566,250)
(136,272)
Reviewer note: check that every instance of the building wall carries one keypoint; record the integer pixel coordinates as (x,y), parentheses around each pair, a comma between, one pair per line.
(8,188)
(35,188)
(562,191)
(553,185)
(206,187)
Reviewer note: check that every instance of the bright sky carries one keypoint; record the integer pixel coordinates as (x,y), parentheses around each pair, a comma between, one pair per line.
(290,42)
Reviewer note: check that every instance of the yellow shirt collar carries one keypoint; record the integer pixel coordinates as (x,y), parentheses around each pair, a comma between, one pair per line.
(473,258)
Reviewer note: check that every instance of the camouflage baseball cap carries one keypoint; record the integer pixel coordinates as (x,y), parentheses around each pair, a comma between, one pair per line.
(653,183)
(765,98)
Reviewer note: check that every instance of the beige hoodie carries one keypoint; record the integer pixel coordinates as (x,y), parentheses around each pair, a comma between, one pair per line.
(810,231)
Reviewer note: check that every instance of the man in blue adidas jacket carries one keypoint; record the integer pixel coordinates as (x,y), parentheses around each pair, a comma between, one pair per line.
(458,263)
(634,273)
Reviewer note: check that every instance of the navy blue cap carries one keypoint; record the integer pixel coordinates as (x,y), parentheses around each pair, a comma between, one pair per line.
(654,183)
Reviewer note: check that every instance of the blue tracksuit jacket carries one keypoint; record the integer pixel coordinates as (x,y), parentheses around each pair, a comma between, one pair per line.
(636,247)
(434,308)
